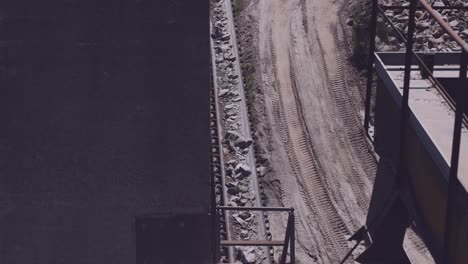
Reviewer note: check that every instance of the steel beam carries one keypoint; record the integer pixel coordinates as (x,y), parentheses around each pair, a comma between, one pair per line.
(292,240)
(393,7)
(453,173)
(404,102)
(262,209)
(287,238)
(370,64)
(229,243)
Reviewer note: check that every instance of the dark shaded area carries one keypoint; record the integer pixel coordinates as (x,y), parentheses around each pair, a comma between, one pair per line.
(391,212)
(104,111)
(387,244)
(159,231)
(453,87)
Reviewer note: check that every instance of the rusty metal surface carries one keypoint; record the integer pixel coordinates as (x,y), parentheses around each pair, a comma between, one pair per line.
(455,156)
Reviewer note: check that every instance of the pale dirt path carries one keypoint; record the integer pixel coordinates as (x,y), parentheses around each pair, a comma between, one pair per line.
(319,153)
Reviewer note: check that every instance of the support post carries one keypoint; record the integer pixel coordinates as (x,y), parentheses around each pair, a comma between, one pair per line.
(402,170)
(370,64)
(428,59)
(287,238)
(292,239)
(453,173)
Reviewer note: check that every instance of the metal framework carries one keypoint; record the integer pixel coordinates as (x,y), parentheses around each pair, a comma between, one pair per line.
(289,239)
(380,10)
(460,118)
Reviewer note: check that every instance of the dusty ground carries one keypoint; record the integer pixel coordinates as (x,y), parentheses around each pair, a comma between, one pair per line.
(309,128)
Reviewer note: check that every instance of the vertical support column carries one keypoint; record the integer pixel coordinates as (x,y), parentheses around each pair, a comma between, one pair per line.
(370,64)
(293,237)
(453,173)
(402,170)
(287,238)
(428,59)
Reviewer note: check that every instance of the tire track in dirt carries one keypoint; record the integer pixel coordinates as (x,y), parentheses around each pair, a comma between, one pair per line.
(311,177)
(352,143)
(291,189)
(317,121)
(288,190)
(333,148)
(359,157)
(295,136)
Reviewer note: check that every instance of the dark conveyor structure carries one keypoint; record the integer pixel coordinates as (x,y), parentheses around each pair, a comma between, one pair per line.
(104,138)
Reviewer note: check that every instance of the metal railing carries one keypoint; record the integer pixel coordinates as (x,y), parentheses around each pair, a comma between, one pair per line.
(289,240)
(380,10)
(456,104)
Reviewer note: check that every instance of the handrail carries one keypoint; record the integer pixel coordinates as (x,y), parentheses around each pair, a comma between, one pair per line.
(440,88)
(272,209)
(289,239)
(377,8)
(391,7)
(457,106)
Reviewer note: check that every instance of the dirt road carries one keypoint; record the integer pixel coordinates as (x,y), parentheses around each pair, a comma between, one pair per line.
(320,161)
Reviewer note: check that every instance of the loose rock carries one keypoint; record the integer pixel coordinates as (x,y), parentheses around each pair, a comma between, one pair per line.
(223,92)
(244,215)
(239,220)
(262,171)
(242,171)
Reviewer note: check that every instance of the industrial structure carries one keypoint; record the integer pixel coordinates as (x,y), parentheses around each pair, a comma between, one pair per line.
(105,139)
(420,125)
(113,151)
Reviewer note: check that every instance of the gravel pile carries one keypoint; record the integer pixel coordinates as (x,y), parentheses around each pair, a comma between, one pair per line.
(429,36)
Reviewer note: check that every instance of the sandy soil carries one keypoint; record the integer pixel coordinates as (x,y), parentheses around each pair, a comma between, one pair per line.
(309,129)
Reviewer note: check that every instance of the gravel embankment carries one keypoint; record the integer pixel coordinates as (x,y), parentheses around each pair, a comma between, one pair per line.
(429,35)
